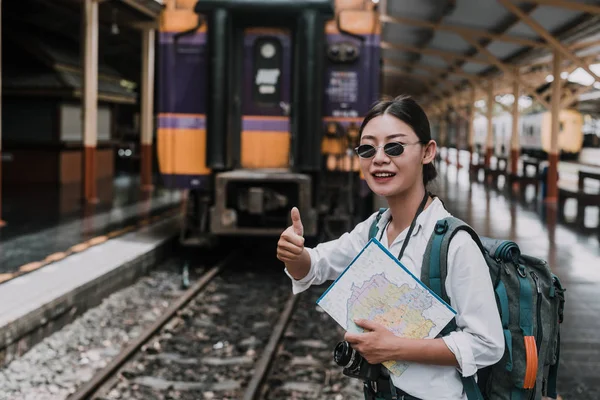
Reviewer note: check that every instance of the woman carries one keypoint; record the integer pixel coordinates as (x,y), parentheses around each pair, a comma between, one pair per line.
(396,157)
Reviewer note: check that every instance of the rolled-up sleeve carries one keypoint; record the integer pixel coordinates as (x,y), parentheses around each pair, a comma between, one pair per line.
(478,340)
(328,260)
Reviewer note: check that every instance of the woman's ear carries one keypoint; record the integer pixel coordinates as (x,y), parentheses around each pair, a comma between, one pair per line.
(430,152)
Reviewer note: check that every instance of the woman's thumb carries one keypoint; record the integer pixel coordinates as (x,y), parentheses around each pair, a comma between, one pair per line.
(297,222)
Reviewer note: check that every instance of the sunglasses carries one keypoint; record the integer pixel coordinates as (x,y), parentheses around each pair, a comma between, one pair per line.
(392,149)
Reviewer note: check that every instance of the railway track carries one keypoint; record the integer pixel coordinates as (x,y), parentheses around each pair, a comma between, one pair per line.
(250,387)
(270,352)
(236,334)
(105,375)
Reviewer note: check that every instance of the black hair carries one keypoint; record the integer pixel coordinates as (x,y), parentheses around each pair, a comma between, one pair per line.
(408,111)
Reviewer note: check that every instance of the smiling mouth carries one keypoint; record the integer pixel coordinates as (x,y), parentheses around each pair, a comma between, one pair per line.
(384,175)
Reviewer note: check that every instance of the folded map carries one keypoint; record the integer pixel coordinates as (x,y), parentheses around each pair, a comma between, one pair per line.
(377,287)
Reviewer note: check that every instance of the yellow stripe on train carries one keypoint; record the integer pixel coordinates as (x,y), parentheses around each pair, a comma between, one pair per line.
(265,149)
(182,151)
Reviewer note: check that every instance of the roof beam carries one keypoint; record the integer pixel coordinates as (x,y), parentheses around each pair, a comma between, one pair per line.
(537,28)
(570,69)
(457,108)
(474,80)
(504,68)
(547,60)
(573,95)
(427,82)
(428,68)
(504,30)
(425,43)
(455,89)
(539,75)
(141,8)
(460,29)
(569,5)
(584,45)
(433,52)
(395,71)
(505,107)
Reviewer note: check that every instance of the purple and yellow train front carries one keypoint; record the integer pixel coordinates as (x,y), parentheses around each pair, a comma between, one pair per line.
(181,120)
(254,100)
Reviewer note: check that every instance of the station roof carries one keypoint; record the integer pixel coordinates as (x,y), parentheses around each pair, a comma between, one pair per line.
(434,49)
(119,27)
(42,65)
(144,8)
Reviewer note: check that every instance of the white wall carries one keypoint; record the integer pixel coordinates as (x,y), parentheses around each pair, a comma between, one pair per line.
(71,124)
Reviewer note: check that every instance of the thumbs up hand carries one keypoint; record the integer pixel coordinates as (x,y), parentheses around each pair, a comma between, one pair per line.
(297,222)
(291,242)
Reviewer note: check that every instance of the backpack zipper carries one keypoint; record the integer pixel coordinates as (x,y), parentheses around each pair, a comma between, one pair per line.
(539,332)
(506,269)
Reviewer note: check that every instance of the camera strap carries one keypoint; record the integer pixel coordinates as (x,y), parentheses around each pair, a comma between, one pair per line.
(412,225)
(393,391)
(384,390)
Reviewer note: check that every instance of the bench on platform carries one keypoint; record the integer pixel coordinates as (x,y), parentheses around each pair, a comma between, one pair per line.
(529,175)
(585,195)
(476,167)
(501,169)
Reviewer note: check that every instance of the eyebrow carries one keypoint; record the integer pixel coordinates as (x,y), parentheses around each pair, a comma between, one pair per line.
(395,135)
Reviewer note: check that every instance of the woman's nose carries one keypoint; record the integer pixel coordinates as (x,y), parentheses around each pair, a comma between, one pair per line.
(380,156)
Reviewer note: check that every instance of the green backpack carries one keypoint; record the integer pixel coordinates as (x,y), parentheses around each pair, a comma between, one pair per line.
(530,300)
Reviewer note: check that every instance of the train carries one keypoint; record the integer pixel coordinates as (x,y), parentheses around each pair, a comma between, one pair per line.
(259,104)
(534,133)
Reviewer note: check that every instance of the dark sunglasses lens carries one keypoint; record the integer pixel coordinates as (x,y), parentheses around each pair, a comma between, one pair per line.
(393,149)
(365,151)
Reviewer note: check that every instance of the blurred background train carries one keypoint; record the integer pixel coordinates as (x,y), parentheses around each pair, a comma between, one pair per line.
(534,133)
(259,105)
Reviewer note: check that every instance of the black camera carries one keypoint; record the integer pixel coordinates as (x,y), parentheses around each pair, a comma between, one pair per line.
(355,366)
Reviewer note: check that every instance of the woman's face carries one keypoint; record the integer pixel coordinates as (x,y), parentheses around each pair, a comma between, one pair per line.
(389,176)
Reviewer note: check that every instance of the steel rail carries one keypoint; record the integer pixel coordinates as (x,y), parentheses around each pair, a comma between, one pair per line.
(262,368)
(92,386)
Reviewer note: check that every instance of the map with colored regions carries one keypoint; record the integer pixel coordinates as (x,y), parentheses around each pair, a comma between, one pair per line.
(377,287)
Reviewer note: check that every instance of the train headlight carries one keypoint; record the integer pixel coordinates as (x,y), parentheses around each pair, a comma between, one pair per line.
(267,50)
(229,218)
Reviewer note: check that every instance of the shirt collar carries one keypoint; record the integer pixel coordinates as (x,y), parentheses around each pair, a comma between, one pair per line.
(428,217)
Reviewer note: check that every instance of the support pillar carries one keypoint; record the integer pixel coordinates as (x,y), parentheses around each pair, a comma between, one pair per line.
(216,112)
(310,80)
(514,140)
(443,132)
(552,178)
(489,145)
(2,223)
(459,125)
(470,127)
(147,111)
(444,135)
(90,99)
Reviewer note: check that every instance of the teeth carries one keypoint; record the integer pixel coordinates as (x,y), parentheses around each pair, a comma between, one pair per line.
(384,175)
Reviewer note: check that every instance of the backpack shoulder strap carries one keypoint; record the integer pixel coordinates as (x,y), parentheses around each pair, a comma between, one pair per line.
(374,229)
(434,271)
(435,261)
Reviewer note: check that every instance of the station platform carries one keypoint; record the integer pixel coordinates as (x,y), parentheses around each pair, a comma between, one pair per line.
(68,260)
(47,223)
(573,255)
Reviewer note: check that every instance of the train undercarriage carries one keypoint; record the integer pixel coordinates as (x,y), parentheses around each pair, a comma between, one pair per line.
(258,203)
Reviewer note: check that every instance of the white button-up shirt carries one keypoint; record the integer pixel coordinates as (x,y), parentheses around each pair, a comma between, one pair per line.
(478,340)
